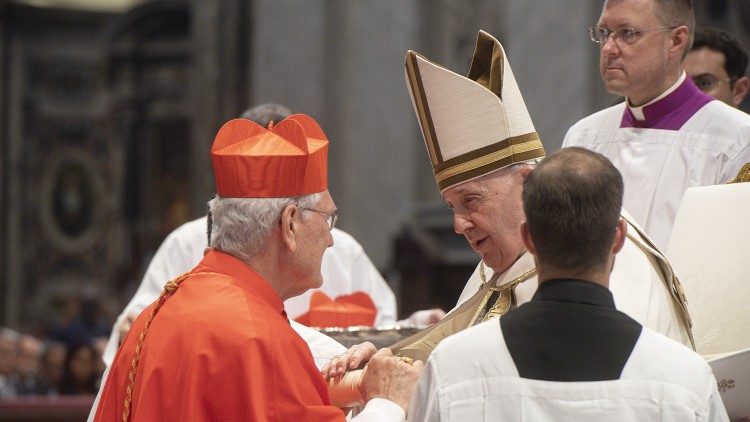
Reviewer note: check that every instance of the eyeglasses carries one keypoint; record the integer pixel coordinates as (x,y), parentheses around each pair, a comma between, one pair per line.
(331,217)
(626,35)
(706,82)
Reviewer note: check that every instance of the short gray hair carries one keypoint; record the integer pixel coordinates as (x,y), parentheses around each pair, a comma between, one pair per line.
(241,226)
(674,13)
(511,169)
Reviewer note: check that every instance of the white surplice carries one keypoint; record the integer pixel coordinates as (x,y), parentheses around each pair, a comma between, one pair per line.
(659,165)
(661,381)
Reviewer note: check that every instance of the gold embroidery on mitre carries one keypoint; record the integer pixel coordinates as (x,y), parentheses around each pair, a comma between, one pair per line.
(492,157)
(422,107)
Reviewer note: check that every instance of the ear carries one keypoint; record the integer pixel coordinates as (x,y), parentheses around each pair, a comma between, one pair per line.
(679,41)
(288,226)
(739,92)
(526,237)
(621,232)
(526,171)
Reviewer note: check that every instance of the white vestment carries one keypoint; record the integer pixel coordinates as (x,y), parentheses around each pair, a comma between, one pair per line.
(659,165)
(636,282)
(661,381)
(345,268)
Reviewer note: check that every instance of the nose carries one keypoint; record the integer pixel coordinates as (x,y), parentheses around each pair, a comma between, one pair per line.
(461,223)
(609,46)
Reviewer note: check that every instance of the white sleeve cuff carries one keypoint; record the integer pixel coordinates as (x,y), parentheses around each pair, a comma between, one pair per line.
(380,410)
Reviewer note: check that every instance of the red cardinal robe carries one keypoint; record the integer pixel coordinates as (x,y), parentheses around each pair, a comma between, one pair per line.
(219,349)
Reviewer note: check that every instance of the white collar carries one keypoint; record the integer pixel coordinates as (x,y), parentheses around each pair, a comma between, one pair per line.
(521,266)
(638,111)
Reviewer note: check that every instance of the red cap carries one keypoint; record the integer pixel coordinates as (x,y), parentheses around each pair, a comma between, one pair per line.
(288,159)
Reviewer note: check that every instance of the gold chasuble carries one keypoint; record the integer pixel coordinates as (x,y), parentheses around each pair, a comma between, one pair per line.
(489,302)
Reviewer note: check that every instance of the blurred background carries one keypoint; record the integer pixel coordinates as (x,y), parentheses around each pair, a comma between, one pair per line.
(108,109)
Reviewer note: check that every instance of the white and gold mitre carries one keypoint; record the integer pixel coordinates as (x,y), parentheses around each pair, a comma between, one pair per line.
(471,125)
(710,254)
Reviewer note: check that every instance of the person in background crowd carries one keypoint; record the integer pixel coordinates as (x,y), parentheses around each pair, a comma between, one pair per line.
(79,371)
(52,368)
(27,364)
(717,63)
(8,355)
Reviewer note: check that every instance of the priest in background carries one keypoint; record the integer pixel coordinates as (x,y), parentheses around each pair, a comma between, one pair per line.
(667,136)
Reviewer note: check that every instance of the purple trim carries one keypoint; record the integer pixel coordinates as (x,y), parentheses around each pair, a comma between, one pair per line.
(672,111)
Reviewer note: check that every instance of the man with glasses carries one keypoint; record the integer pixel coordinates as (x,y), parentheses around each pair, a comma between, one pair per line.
(717,64)
(346,269)
(217,344)
(667,135)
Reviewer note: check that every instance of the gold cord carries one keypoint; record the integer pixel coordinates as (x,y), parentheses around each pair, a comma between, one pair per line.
(169,288)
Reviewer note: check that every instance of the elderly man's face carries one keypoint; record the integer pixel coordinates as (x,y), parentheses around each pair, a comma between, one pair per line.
(488,211)
(639,70)
(315,237)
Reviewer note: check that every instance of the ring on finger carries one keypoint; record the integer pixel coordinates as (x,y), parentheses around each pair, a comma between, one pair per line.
(406,359)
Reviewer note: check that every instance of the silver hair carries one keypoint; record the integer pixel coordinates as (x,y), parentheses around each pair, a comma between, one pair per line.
(241,226)
(511,169)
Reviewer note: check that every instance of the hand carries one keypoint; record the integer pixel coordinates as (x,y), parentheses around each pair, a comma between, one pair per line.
(124,327)
(388,377)
(351,359)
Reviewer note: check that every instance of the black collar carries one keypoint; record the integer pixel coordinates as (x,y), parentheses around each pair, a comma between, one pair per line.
(574,291)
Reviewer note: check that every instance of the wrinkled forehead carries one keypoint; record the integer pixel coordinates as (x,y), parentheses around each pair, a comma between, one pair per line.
(471,187)
(499,182)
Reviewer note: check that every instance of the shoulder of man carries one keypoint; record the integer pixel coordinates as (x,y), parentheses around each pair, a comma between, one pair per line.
(659,358)
(483,338)
(609,116)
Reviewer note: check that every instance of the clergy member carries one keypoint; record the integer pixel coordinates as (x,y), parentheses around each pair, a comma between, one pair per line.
(346,269)
(667,135)
(482,144)
(568,354)
(217,344)
(717,64)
